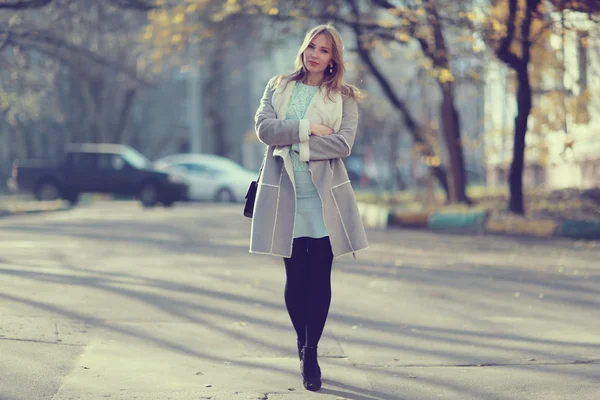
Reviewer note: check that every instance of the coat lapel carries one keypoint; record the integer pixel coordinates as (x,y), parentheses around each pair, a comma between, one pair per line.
(281,101)
(281,98)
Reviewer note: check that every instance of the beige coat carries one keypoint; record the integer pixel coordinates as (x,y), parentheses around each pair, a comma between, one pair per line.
(275,206)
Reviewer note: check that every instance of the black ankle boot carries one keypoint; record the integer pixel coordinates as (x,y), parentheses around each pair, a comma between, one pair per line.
(311,372)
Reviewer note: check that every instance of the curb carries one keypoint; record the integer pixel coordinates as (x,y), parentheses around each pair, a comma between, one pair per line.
(374,216)
(464,222)
(520,226)
(35,209)
(408,220)
(579,229)
(479,222)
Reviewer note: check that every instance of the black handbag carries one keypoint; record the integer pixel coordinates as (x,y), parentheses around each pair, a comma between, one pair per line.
(251,194)
(250,197)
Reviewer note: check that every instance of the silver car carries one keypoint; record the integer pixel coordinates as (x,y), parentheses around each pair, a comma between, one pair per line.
(210,177)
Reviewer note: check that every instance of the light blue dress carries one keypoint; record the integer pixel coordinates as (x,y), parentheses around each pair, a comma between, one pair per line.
(309,208)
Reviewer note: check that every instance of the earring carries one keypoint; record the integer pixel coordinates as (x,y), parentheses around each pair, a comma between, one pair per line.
(331,68)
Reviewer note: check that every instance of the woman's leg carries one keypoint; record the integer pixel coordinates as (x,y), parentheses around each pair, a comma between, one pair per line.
(320,260)
(296,287)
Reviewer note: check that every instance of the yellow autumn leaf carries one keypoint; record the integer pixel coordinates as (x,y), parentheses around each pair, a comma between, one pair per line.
(396,11)
(386,23)
(274,11)
(218,17)
(148,33)
(156,55)
(179,18)
(176,38)
(498,26)
(232,7)
(445,75)
(402,36)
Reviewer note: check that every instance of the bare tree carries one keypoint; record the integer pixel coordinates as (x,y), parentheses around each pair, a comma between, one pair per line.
(141,5)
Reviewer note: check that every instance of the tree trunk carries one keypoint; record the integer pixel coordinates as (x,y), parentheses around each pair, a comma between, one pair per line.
(440,174)
(516,203)
(393,159)
(128,99)
(437,52)
(451,126)
(524,96)
(214,88)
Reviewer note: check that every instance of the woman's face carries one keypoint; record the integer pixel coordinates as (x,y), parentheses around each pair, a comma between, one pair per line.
(317,55)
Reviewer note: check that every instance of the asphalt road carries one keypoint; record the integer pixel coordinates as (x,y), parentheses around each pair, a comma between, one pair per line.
(114,301)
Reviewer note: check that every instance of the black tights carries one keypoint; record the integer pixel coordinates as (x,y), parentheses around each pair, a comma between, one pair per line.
(308,287)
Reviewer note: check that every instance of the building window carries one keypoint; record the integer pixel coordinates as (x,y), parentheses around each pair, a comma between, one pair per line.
(582,55)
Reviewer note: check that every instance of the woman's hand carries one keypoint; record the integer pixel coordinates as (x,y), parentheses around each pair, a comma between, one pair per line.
(320,130)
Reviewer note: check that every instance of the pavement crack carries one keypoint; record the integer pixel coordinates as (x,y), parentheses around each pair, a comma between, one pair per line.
(58,339)
(481,365)
(39,341)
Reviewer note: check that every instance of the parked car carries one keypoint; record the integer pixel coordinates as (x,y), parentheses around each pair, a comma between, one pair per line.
(210,177)
(98,168)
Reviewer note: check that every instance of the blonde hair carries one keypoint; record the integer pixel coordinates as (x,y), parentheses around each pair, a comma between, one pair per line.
(333,82)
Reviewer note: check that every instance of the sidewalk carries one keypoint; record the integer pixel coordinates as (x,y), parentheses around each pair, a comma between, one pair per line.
(144,307)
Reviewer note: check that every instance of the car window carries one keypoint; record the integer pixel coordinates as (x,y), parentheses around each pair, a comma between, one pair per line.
(84,160)
(136,159)
(213,170)
(224,165)
(110,162)
(194,168)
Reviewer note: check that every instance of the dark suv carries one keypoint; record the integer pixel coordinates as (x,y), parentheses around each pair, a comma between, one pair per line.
(99,168)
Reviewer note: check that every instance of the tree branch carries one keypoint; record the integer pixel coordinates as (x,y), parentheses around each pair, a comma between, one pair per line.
(440,52)
(531,8)
(49,44)
(128,101)
(383,82)
(5,40)
(23,4)
(384,4)
(503,52)
(137,5)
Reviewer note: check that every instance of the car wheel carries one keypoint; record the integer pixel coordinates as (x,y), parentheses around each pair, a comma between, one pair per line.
(47,191)
(168,203)
(225,196)
(149,195)
(73,199)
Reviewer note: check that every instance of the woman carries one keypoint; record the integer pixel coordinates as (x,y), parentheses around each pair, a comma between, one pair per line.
(305,210)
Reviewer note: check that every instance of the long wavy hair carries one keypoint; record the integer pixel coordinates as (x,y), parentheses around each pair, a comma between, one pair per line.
(333,81)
